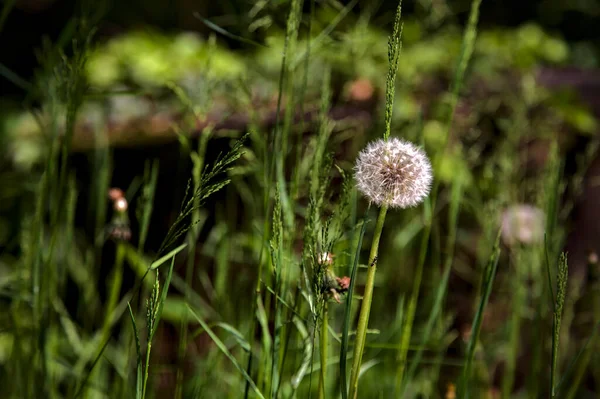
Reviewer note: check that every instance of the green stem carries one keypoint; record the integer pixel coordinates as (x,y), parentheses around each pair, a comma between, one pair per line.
(112,301)
(323,348)
(146,368)
(365,309)
(515,330)
(412,308)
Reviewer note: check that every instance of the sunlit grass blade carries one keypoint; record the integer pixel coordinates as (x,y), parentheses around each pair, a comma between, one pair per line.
(223,348)
(488,282)
(157,263)
(84,382)
(442,288)
(348,310)
(581,360)
(138,351)
(307,354)
(146,201)
(239,337)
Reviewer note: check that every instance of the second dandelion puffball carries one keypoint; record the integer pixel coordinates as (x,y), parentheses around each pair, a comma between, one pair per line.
(393,172)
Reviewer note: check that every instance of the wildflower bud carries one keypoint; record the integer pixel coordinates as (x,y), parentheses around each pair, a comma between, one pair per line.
(120,205)
(343,282)
(592,258)
(115,193)
(360,90)
(395,173)
(522,224)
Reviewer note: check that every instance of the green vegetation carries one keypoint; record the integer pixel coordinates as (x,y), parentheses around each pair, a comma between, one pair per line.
(263,283)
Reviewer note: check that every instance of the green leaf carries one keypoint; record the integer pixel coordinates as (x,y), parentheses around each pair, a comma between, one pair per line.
(228,354)
(166,257)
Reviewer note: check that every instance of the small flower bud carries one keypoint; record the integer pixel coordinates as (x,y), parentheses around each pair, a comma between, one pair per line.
(592,258)
(115,193)
(395,173)
(120,205)
(343,282)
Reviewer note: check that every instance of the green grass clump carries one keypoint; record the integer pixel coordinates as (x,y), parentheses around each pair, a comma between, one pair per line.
(252,288)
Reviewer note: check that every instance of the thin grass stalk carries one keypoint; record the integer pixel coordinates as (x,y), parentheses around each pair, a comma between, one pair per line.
(274,167)
(488,282)
(138,352)
(223,348)
(148,193)
(198,159)
(533,385)
(208,187)
(456,196)
(294,190)
(146,368)
(365,309)
(585,353)
(394,47)
(261,265)
(581,370)
(518,303)
(115,283)
(323,345)
(100,182)
(276,243)
(348,310)
(590,347)
(288,334)
(284,132)
(561,292)
(115,290)
(468,44)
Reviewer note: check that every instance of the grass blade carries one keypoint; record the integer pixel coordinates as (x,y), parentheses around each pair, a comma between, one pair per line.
(226,352)
(347,311)
(561,293)
(138,350)
(488,282)
(443,285)
(157,263)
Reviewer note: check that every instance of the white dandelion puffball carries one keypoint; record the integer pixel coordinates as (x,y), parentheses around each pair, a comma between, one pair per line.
(523,224)
(395,173)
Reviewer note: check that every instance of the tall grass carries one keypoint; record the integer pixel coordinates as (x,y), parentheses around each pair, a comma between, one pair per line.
(264,305)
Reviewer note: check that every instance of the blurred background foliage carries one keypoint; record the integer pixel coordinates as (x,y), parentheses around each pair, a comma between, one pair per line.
(156,69)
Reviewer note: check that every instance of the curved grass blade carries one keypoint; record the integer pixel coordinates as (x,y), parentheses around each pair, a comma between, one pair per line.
(226,352)
(488,282)
(225,33)
(138,350)
(157,263)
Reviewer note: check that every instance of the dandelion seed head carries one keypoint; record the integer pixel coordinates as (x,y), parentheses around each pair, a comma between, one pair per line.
(522,224)
(393,172)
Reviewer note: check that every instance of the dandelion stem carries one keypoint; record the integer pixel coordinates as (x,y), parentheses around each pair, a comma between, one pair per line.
(323,348)
(365,308)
